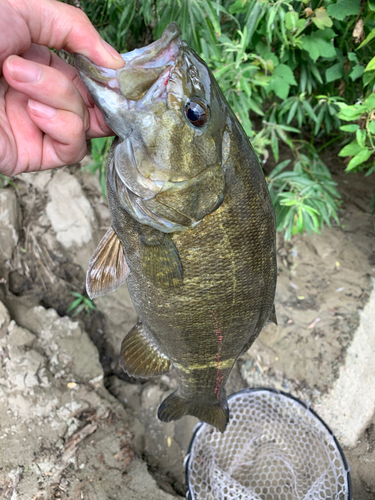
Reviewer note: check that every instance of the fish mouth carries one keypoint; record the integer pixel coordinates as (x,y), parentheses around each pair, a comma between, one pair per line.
(145,75)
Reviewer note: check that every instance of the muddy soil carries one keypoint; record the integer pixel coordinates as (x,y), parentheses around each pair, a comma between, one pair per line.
(75,426)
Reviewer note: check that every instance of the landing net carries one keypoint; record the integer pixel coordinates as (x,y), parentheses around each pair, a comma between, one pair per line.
(274,448)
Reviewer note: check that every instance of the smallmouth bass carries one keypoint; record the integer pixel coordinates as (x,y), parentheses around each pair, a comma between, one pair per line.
(193,227)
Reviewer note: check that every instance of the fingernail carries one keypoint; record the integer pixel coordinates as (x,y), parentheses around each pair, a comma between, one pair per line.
(22,70)
(112,51)
(41,110)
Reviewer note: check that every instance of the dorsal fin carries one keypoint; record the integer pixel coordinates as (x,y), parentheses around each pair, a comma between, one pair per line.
(107,268)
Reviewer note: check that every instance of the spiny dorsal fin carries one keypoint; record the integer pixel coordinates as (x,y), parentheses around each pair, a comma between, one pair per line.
(140,356)
(161,262)
(107,268)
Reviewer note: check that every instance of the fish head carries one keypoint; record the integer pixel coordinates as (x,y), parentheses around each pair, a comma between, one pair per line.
(170,117)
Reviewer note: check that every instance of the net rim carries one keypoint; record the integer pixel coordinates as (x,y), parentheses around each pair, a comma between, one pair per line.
(189,495)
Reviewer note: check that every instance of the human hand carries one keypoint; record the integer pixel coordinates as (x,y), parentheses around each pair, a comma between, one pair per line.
(46,113)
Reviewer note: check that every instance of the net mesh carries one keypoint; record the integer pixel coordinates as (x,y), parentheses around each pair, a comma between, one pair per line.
(274,448)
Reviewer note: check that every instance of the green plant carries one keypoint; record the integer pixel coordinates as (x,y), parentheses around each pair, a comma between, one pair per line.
(81,303)
(362,147)
(99,151)
(304,198)
(4,180)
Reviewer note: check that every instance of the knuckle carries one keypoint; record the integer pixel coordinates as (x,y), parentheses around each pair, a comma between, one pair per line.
(77,128)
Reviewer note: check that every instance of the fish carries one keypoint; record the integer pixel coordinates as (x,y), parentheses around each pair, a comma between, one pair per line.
(193,226)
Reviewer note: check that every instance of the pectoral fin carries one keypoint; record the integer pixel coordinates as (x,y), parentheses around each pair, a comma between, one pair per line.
(161,261)
(107,268)
(141,356)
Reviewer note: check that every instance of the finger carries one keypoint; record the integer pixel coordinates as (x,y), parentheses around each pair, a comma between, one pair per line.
(15,34)
(25,134)
(46,85)
(64,139)
(61,26)
(47,57)
(42,55)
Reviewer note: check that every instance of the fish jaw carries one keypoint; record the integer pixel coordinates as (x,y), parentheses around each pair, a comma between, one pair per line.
(143,79)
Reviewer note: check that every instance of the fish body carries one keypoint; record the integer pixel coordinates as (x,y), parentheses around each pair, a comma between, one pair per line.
(193,227)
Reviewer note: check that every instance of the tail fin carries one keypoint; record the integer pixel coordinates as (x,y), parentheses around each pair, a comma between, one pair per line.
(175,407)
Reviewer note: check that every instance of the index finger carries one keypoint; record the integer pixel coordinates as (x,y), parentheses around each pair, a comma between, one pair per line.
(52,24)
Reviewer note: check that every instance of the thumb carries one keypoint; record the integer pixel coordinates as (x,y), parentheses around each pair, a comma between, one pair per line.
(55,24)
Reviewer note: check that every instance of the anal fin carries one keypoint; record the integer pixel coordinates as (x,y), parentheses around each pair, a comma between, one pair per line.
(161,261)
(107,268)
(141,356)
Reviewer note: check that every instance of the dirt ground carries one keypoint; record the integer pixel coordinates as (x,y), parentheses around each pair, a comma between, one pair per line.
(72,425)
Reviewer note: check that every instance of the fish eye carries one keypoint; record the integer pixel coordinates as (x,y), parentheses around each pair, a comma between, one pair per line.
(197,112)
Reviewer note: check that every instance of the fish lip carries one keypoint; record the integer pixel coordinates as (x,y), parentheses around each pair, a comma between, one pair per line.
(159,55)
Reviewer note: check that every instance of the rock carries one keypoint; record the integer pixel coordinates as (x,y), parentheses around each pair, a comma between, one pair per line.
(18,336)
(4,320)
(37,179)
(9,223)
(120,315)
(60,430)
(166,444)
(72,217)
(67,345)
(349,406)
(69,211)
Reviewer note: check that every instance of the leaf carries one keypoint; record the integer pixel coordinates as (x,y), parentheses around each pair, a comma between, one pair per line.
(349,128)
(292,112)
(237,7)
(279,168)
(358,159)
(368,78)
(352,56)
(275,145)
(371,127)
(351,149)
(356,72)
(212,16)
(286,73)
(322,19)
(314,70)
(74,304)
(368,39)
(309,110)
(291,19)
(335,72)
(371,65)
(344,8)
(279,86)
(361,137)
(273,57)
(319,120)
(350,113)
(79,309)
(370,102)
(317,46)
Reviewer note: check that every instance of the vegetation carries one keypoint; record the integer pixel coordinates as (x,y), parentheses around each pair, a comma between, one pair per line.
(99,152)
(81,303)
(4,180)
(298,72)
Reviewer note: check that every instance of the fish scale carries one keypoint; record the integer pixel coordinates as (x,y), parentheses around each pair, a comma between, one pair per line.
(195,241)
